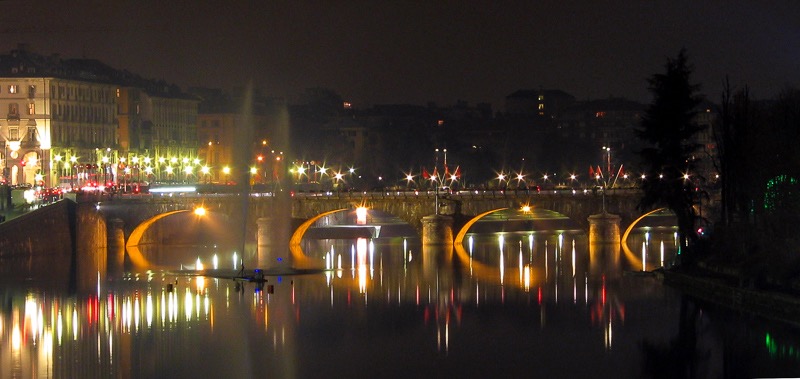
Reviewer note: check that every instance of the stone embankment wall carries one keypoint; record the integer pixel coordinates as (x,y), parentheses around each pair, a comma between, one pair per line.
(770,304)
(60,243)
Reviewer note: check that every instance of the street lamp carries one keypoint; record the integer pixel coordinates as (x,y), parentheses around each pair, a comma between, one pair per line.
(227,171)
(608,163)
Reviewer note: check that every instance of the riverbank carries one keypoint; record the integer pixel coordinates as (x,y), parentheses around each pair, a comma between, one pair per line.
(725,290)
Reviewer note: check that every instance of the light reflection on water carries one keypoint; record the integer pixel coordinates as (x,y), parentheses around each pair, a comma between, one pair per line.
(382,308)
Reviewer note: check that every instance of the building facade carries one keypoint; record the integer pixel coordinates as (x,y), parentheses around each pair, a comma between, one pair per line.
(73,123)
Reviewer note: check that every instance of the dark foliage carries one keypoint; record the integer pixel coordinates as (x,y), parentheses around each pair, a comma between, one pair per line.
(668,128)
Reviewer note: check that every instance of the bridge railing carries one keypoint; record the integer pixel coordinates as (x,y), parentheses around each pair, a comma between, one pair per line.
(377,195)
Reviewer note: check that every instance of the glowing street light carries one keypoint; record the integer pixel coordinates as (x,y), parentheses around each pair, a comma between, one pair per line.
(200,211)
(361,215)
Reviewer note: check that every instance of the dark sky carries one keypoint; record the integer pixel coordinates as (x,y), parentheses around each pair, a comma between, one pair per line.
(374,52)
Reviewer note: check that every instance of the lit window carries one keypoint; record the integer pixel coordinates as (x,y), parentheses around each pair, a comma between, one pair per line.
(13,88)
(117,92)
(600,114)
(541,97)
(541,106)
(31,108)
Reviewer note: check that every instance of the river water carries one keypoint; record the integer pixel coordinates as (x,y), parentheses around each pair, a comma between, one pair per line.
(510,304)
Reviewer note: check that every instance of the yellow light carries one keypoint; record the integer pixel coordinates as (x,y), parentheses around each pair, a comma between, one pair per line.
(188,170)
(526,208)
(361,215)
(57,158)
(226,170)
(253,170)
(200,211)
(205,170)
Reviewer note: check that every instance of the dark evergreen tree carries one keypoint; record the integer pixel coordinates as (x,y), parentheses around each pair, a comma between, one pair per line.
(668,129)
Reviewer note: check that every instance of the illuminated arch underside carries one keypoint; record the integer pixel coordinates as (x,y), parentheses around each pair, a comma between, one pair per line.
(477,269)
(635,261)
(131,246)
(300,259)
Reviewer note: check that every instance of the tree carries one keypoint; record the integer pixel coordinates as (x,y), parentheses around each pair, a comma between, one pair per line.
(668,129)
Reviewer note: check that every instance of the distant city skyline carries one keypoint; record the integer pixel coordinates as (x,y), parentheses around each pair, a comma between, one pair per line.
(381,53)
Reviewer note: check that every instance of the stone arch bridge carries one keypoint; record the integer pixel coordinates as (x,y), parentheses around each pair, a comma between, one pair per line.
(408,206)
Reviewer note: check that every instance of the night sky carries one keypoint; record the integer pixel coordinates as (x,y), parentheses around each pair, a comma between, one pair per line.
(378,52)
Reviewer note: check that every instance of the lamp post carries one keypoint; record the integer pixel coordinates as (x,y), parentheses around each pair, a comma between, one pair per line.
(607,149)
(608,170)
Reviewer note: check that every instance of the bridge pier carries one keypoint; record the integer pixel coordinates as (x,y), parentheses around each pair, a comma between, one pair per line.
(269,252)
(604,228)
(116,244)
(437,230)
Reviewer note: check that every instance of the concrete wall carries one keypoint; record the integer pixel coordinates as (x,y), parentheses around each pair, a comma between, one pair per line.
(63,244)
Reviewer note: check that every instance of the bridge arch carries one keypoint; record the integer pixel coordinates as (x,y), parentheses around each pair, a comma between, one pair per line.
(459,240)
(300,259)
(624,241)
(138,232)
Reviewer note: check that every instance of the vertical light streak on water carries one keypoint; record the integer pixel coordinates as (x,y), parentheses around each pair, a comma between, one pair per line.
(644,256)
(197,305)
(136,311)
(530,246)
(520,266)
(371,259)
(187,304)
(586,288)
(353,261)
(662,253)
(59,327)
(647,237)
(235,261)
(163,308)
(573,259)
(149,310)
(470,245)
(215,262)
(501,240)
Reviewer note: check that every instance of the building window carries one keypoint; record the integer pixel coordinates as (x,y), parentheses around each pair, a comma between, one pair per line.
(31,91)
(541,106)
(31,133)
(117,92)
(31,108)
(13,133)
(13,88)
(13,110)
